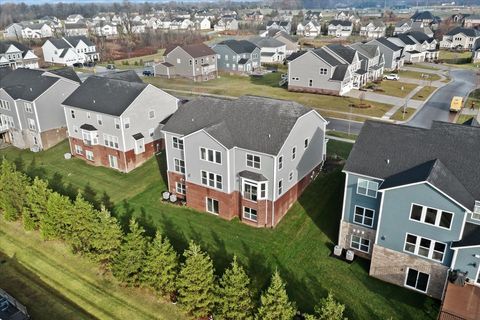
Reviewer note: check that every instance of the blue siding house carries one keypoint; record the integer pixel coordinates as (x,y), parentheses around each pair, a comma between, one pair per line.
(412,204)
(240,56)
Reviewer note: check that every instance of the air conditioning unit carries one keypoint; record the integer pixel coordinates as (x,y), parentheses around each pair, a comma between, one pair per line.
(166,195)
(350,255)
(173,198)
(35,149)
(67,156)
(337,251)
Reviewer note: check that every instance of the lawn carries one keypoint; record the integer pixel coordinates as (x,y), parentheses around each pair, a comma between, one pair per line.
(236,85)
(463,118)
(137,62)
(455,57)
(424,93)
(299,246)
(341,134)
(394,88)
(418,75)
(426,67)
(401,116)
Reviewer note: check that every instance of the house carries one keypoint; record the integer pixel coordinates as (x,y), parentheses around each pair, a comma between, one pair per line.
(15,55)
(105,29)
(313,15)
(137,27)
(403,26)
(13,31)
(37,31)
(70,50)
(460,38)
(203,24)
(280,25)
(237,56)
(74,18)
(392,53)
(196,61)
(31,114)
(226,24)
(372,60)
(255,16)
(290,43)
(472,21)
(76,29)
(426,17)
(249,158)
(373,30)
(181,24)
(309,29)
(332,69)
(347,16)
(476,51)
(340,28)
(411,205)
(417,46)
(271,49)
(116,123)
(406,26)
(101,18)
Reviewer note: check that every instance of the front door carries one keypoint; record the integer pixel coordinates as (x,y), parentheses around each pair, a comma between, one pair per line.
(113,161)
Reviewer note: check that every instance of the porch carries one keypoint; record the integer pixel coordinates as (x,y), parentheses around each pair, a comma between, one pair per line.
(460,303)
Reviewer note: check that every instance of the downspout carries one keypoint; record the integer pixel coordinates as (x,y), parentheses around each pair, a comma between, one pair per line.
(274,189)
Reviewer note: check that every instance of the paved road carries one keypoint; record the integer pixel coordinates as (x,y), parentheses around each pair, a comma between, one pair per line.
(437,107)
(342,125)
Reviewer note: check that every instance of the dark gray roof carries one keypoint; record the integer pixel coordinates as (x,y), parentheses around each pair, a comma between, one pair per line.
(295,55)
(420,36)
(4,71)
(423,15)
(327,57)
(67,73)
(104,95)
(385,151)
(88,127)
(74,40)
(346,53)
(405,38)
(167,64)
(266,42)
(75,26)
(64,52)
(340,72)
(125,75)
(5,44)
(194,50)
(472,122)
(476,45)
(243,61)
(388,43)
(239,46)
(466,31)
(59,43)
(27,84)
(252,176)
(138,136)
(470,237)
(340,22)
(232,122)
(365,49)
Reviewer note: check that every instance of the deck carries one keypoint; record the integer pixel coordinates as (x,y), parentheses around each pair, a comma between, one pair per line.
(461,303)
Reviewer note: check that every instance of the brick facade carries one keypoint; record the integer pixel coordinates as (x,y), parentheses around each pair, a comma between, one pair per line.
(347,230)
(126,161)
(391,266)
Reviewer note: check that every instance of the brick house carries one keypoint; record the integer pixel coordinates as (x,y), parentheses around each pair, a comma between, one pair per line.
(412,205)
(249,158)
(115,121)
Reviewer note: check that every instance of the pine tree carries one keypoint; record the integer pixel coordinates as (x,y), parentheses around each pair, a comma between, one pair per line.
(37,195)
(82,221)
(234,294)
(161,266)
(12,191)
(128,264)
(275,304)
(196,282)
(54,222)
(329,309)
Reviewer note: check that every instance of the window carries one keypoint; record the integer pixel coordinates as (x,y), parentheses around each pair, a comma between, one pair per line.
(179,188)
(72,113)
(305,143)
(151,114)
(431,216)
(31,124)
(250,191)
(75,129)
(179,61)
(117,123)
(177,143)
(476,211)
(367,188)
(99,119)
(78,149)
(212,180)
(151,131)
(89,155)
(263,190)
(323,71)
(290,176)
(417,280)
(364,216)
(424,247)
(89,137)
(110,141)
(360,244)
(179,165)
(280,163)
(211,155)
(127,123)
(250,214)
(294,153)
(253,161)
(89,115)
(28,107)
(310,83)
(280,187)
(190,62)
(212,206)
(5,105)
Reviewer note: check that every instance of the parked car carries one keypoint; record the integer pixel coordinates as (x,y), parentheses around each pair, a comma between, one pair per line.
(78,65)
(147,73)
(111,66)
(391,76)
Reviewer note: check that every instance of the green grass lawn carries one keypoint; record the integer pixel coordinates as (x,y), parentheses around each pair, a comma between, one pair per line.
(235,85)
(299,246)
(424,93)
(401,116)
(418,75)
(454,57)
(341,134)
(426,67)
(394,88)
(463,118)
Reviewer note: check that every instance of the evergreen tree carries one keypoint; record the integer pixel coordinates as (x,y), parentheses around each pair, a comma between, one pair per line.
(275,304)
(54,222)
(82,221)
(161,266)
(128,263)
(37,195)
(329,309)
(234,293)
(196,282)
(12,191)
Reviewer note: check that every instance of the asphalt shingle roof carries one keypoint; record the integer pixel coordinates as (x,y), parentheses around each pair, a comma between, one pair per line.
(388,43)
(340,72)
(26,84)
(125,75)
(67,73)
(5,44)
(327,57)
(346,53)
(341,23)
(266,42)
(74,40)
(466,31)
(470,237)
(194,50)
(232,122)
(239,46)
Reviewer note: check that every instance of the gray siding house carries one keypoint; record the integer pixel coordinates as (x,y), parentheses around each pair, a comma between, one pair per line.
(237,56)
(412,205)
(392,53)
(197,62)
(31,113)
(372,60)
(249,158)
(115,121)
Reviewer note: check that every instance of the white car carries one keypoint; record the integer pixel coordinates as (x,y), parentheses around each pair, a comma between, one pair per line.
(391,76)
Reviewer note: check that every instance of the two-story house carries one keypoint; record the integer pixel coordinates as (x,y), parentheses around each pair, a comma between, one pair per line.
(37,31)
(309,29)
(472,21)
(372,60)
(340,28)
(373,29)
(196,61)
(74,18)
(249,158)
(76,29)
(69,50)
(271,49)
(460,38)
(31,114)
(237,56)
(411,204)
(291,45)
(285,26)
(116,123)
(14,54)
(417,46)
(226,24)
(392,53)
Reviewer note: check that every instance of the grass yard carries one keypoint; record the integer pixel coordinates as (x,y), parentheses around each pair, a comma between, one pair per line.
(418,75)
(424,93)
(236,85)
(299,247)
(454,57)
(463,118)
(394,88)
(400,116)
(341,134)
(426,67)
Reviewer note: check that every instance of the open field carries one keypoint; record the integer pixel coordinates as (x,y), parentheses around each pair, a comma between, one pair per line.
(454,56)
(424,93)
(299,247)
(400,116)
(394,88)
(418,75)
(236,85)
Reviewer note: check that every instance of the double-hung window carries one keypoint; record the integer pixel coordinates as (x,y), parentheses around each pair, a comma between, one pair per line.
(28,107)
(360,244)
(367,188)
(294,153)
(280,163)
(430,249)
(110,141)
(250,191)
(179,165)
(323,71)
(180,188)
(306,143)
(211,155)
(177,143)
(99,119)
(435,217)
(212,180)
(253,161)
(31,124)
(364,216)
(280,187)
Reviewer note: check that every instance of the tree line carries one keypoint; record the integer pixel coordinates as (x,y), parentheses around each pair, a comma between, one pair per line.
(137,260)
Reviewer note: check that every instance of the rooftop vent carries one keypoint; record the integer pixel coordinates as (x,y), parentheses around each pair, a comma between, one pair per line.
(387,161)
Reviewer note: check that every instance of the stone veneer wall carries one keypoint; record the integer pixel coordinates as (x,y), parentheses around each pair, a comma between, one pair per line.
(349,229)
